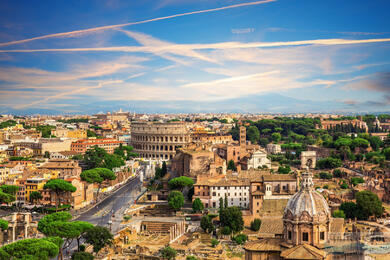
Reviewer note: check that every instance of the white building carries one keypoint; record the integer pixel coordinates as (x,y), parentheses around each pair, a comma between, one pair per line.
(274,148)
(236,191)
(258,159)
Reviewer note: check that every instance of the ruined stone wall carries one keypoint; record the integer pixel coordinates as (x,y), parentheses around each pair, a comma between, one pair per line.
(159,140)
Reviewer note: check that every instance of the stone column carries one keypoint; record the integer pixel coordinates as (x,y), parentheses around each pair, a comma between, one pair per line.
(13,232)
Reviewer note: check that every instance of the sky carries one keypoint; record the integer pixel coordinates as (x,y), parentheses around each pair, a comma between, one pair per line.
(169,56)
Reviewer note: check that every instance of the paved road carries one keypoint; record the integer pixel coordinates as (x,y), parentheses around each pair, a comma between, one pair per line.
(111,208)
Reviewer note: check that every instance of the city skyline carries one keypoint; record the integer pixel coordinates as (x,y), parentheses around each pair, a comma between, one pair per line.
(271,56)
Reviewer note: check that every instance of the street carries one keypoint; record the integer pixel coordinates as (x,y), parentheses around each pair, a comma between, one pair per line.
(111,208)
(114,205)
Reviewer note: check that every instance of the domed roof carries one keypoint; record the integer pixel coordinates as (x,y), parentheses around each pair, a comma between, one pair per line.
(307,200)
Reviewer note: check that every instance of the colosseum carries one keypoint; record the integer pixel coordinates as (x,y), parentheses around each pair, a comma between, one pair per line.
(156,140)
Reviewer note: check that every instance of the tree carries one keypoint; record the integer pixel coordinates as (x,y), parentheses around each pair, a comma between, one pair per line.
(221,207)
(369,203)
(255,224)
(176,200)
(386,151)
(191,257)
(337,173)
(82,228)
(5,197)
(3,224)
(276,137)
(126,152)
(164,169)
(10,189)
(168,252)
(343,142)
(46,155)
(375,142)
(8,193)
(253,134)
(180,183)
(232,217)
(197,205)
(35,196)
(57,224)
(240,239)
(59,187)
(343,185)
(206,224)
(97,175)
(231,166)
(33,248)
(350,209)
(98,158)
(82,256)
(284,170)
(360,142)
(91,133)
(338,214)
(356,180)
(326,175)
(329,163)
(98,237)
(93,158)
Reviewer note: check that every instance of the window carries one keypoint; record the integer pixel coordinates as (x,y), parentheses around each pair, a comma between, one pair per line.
(305,236)
(322,235)
(289,235)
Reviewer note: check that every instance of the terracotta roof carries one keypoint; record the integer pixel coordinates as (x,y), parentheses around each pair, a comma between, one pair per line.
(304,251)
(271,227)
(279,177)
(257,192)
(264,245)
(223,182)
(68,153)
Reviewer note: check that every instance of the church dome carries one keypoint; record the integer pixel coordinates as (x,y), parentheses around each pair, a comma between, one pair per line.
(307,204)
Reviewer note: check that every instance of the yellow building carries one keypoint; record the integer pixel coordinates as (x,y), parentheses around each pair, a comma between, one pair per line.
(4,173)
(34,184)
(67,133)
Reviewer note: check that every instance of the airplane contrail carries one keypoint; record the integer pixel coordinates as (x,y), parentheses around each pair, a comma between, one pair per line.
(78,32)
(210,46)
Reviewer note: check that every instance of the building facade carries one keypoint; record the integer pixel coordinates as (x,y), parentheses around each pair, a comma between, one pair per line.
(108,144)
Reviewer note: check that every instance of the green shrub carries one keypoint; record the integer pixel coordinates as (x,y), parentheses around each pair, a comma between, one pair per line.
(240,239)
(255,224)
(338,214)
(356,180)
(344,185)
(214,242)
(226,230)
(168,252)
(326,175)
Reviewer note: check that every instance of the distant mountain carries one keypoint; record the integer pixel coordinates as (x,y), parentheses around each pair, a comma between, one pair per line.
(268,103)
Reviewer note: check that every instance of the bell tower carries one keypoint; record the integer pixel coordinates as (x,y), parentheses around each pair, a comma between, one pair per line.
(242,136)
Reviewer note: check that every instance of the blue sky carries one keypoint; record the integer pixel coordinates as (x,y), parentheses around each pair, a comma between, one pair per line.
(194,56)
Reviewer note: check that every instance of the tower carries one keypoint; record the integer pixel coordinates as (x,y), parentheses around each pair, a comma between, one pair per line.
(242,136)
